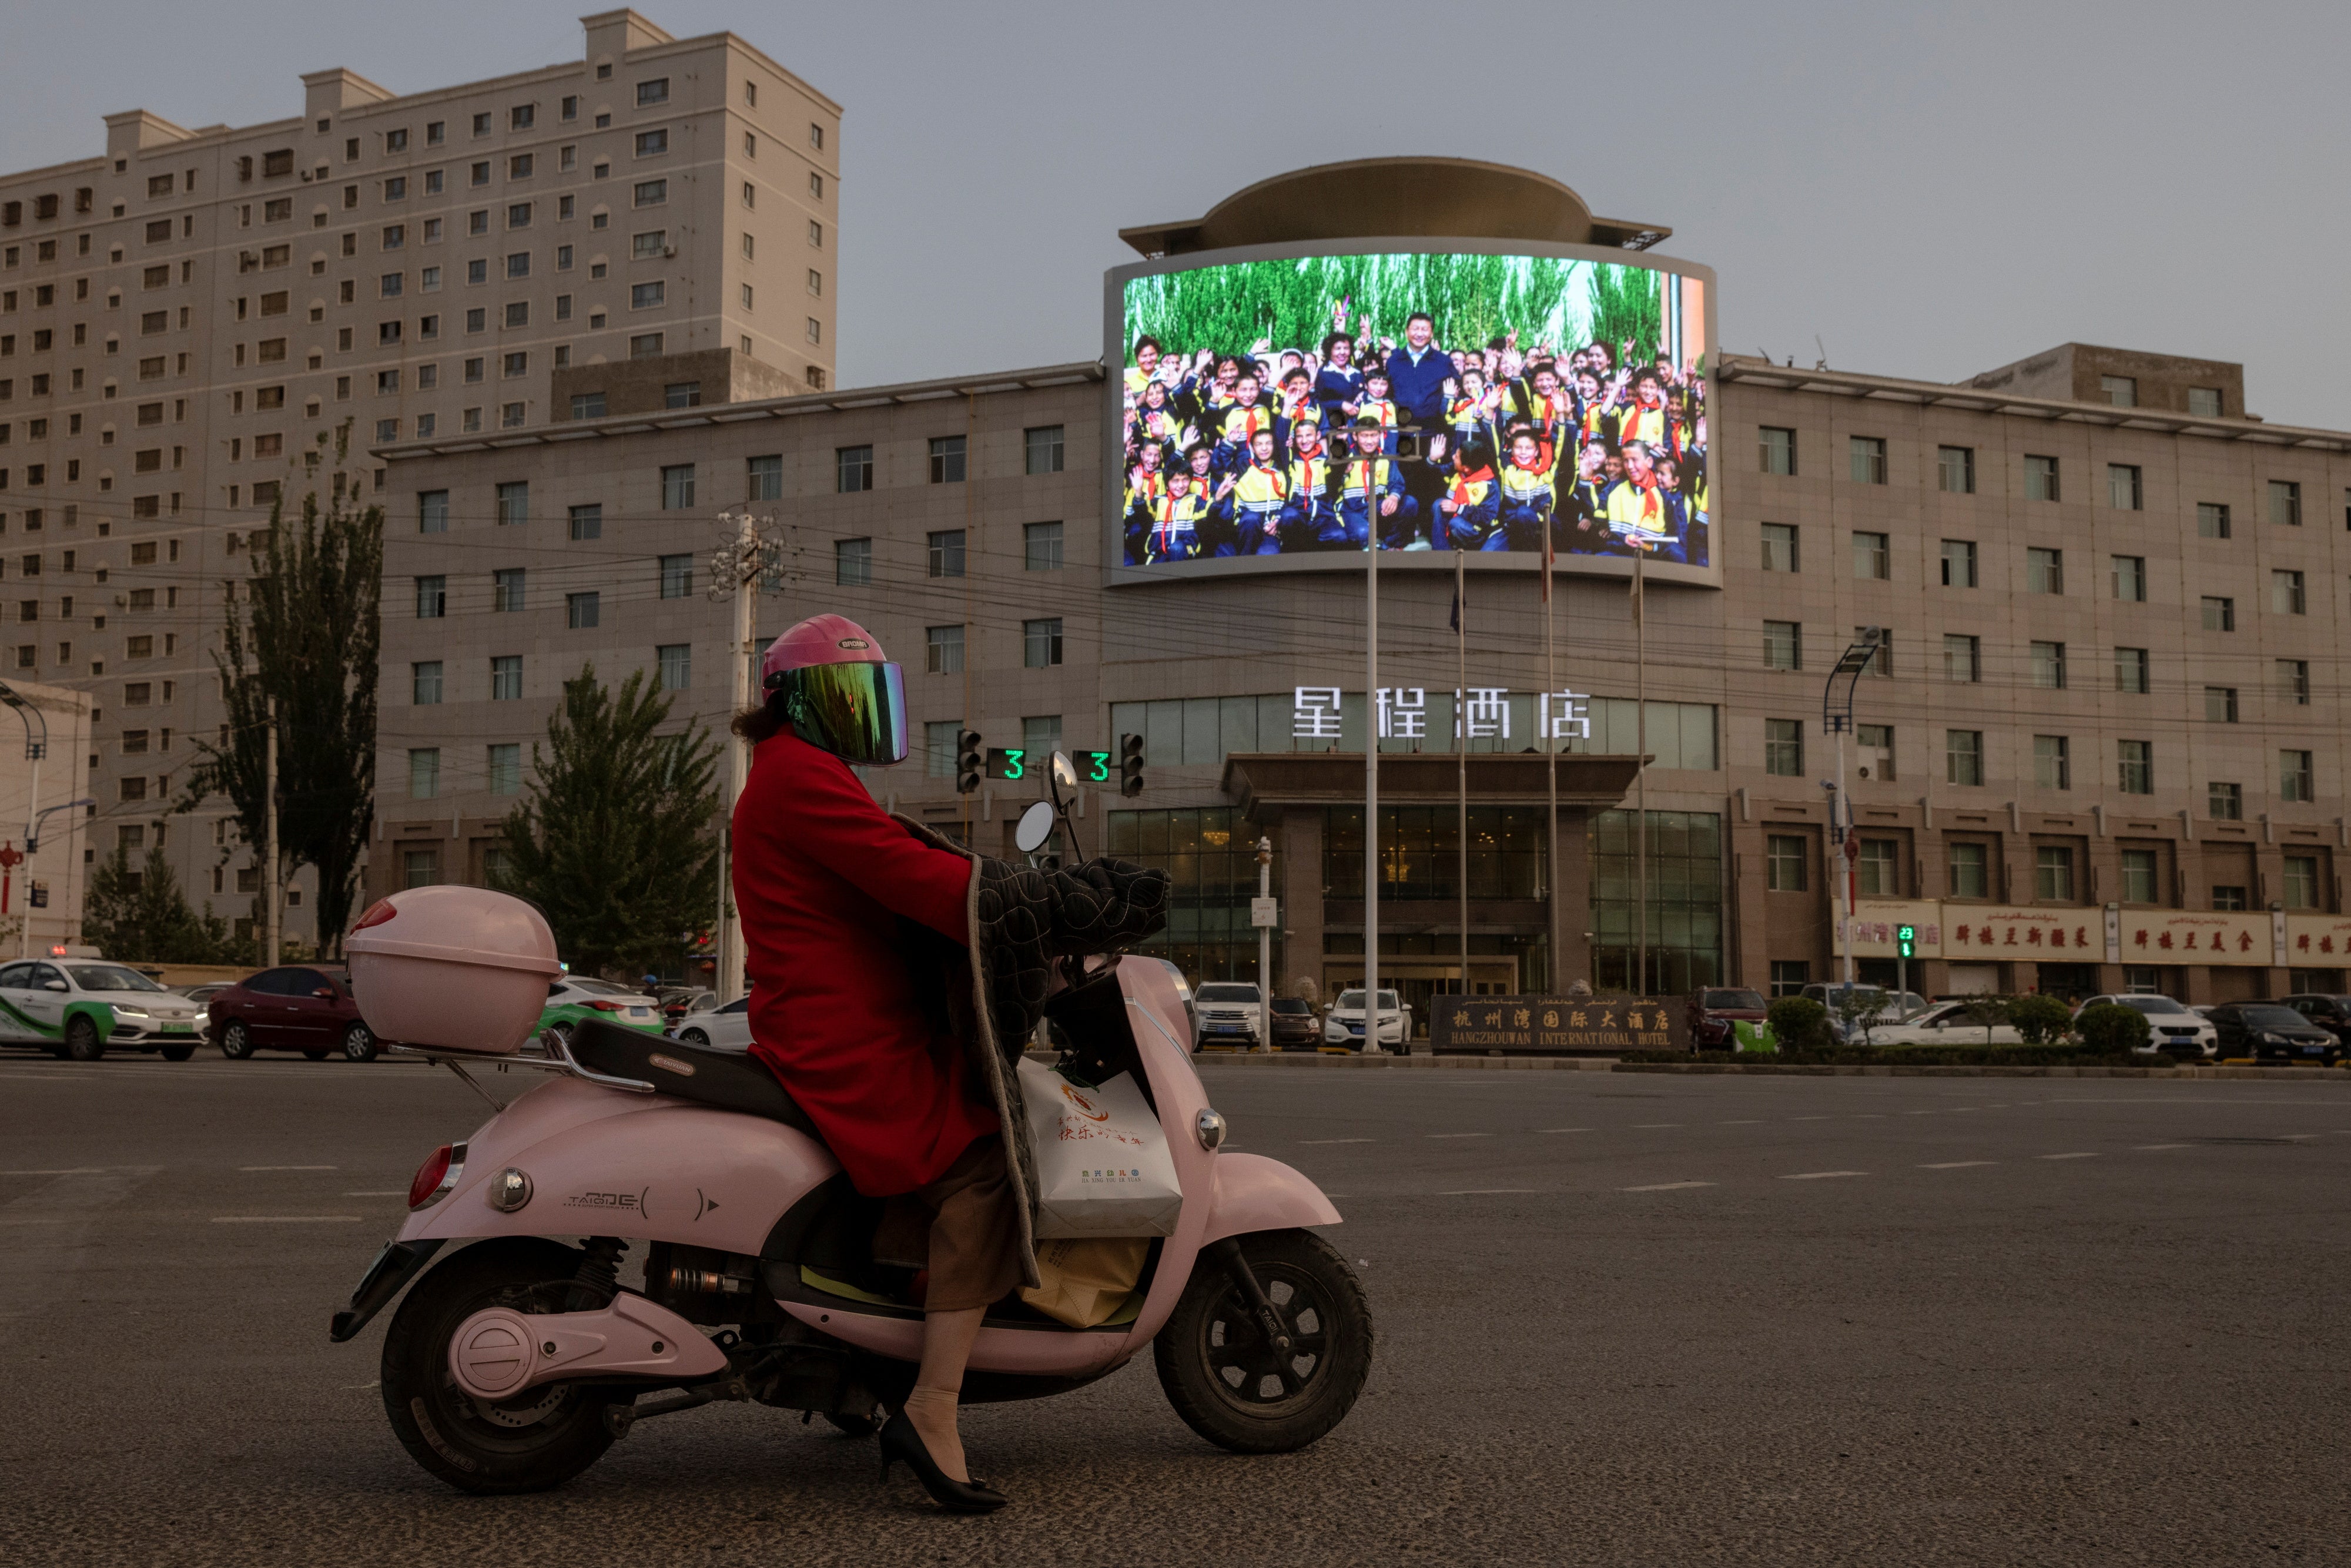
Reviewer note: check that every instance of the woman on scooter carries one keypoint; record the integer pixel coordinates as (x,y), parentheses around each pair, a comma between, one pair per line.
(846,911)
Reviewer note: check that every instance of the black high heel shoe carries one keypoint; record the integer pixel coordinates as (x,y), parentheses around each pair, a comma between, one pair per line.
(900,1440)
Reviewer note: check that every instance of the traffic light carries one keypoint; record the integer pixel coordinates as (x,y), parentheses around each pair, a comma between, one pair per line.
(967,761)
(1130,764)
(1905,941)
(1093,767)
(1008,762)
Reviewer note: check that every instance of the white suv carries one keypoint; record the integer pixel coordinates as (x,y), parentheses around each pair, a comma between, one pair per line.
(2172,1029)
(1227,1013)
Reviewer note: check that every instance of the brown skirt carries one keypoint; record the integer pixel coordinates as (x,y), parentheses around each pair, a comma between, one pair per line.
(972,1244)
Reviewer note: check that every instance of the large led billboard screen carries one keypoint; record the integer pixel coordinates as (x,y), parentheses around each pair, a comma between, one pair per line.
(1299,408)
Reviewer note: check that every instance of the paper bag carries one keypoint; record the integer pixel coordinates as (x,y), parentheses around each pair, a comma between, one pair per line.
(1086,1281)
(1102,1165)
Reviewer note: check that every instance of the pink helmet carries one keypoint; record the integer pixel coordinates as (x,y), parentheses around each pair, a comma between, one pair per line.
(833,682)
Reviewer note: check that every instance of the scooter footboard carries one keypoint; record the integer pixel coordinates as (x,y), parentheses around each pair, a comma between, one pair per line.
(1254,1193)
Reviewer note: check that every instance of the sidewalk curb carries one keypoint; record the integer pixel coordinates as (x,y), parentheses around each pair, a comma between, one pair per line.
(1826,1069)
(1309,1061)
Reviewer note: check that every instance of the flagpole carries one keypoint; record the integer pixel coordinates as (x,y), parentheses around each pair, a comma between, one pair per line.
(1371,761)
(1461,744)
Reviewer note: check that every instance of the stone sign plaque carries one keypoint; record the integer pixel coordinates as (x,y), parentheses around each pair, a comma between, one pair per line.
(1556,1026)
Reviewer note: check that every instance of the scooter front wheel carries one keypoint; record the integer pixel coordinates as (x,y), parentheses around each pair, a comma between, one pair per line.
(541,1437)
(1227,1377)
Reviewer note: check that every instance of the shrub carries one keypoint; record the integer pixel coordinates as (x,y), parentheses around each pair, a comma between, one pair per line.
(2040,1020)
(2113,1029)
(1799,1024)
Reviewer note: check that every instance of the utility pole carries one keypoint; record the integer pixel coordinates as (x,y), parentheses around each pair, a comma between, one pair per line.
(1264,947)
(270,889)
(1461,751)
(1836,717)
(748,550)
(1372,763)
(35,748)
(1545,732)
(1640,794)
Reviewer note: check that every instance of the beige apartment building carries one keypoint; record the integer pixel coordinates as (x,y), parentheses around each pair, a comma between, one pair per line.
(2102,743)
(651,224)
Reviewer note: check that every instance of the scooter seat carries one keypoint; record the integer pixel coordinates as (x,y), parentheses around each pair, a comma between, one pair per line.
(727,1080)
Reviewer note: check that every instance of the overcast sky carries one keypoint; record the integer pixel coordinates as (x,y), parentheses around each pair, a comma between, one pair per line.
(1932,191)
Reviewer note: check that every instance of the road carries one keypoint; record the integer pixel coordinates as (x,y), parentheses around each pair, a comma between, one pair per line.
(1623,1319)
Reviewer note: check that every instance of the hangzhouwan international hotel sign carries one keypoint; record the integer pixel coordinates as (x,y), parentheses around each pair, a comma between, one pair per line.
(1554,1025)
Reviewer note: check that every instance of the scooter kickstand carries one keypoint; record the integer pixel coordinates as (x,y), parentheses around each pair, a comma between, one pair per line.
(1268,1317)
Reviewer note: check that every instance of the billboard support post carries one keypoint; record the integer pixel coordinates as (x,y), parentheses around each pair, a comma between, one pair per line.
(1461,746)
(1372,716)
(1641,798)
(1546,730)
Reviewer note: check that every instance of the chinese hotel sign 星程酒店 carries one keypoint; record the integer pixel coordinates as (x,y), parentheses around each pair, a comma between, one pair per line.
(1314,714)
(1555,1026)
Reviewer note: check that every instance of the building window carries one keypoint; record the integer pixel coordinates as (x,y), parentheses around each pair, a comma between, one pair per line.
(506,678)
(1968,872)
(645,296)
(1041,734)
(946,461)
(2219,615)
(650,192)
(2300,887)
(587,522)
(2053,873)
(939,747)
(641,345)
(677,487)
(1963,756)
(1789,977)
(652,143)
(2228,897)
(1784,645)
(2139,876)
(2135,759)
(853,468)
(1778,450)
(1041,643)
(763,478)
(431,598)
(2040,478)
(1783,863)
(2227,802)
(2130,670)
(1872,558)
(507,590)
(2052,762)
(514,503)
(677,576)
(2130,577)
(2049,665)
(2120,391)
(1878,869)
(1869,459)
(432,511)
(2295,777)
(1784,747)
(2044,571)
(675,660)
(947,553)
(1779,547)
(424,684)
(1874,744)
(2123,493)
(1955,469)
(2220,704)
(2211,520)
(1962,658)
(2285,502)
(2204,403)
(2286,593)
(853,563)
(943,650)
(582,612)
(1959,563)
(2294,681)
(418,868)
(424,772)
(1044,444)
(1041,546)
(506,768)
(815,330)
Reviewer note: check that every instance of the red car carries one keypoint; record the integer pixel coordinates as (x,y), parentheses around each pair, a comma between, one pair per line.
(293,1009)
(1712,1011)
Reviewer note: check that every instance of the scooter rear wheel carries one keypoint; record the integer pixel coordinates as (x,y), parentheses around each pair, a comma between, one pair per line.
(538,1440)
(1232,1386)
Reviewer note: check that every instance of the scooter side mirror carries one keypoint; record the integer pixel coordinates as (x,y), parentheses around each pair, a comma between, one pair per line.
(1035,830)
(1065,772)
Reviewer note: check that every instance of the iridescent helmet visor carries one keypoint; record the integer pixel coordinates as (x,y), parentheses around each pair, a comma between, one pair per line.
(857,712)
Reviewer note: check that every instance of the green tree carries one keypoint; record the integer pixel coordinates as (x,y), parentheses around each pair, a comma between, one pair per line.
(304,633)
(613,838)
(142,916)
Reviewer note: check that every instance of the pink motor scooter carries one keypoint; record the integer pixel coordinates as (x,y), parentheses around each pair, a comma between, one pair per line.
(513,1364)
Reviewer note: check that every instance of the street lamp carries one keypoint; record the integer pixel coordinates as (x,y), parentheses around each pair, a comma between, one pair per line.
(1836,717)
(35,748)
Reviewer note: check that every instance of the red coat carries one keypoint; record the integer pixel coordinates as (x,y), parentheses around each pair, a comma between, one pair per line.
(821,872)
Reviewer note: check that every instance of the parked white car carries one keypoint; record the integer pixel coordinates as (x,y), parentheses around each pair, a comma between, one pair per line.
(2174,1029)
(1344,1024)
(1229,1014)
(1945,1024)
(720,1029)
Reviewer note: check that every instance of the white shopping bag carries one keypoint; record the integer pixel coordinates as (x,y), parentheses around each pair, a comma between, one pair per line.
(1103,1166)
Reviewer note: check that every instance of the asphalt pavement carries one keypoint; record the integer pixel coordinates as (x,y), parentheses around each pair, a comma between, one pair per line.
(1623,1318)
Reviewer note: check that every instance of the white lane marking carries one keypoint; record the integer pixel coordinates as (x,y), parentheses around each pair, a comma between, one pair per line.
(2073,1157)
(1562,1129)
(1820,1176)
(1957,1109)
(1666,1187)
(1870,1116)
(1809,1118)
(1749,1122)
(1653,1127)
(77,1170)
(1959,1164)
(387,1192)
(1485,1191)
(2144,1149)
(360,1387)
(286,1219)
(1311,1141)
(1934,1112)
(250,1168)
(1456,1134)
